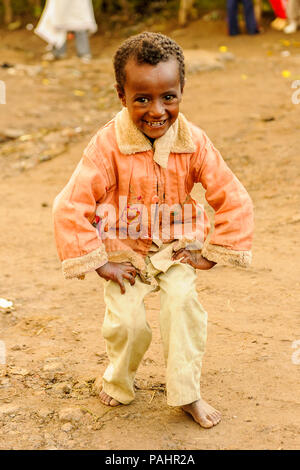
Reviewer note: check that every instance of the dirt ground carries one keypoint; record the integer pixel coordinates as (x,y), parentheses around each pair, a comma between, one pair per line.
(54,347)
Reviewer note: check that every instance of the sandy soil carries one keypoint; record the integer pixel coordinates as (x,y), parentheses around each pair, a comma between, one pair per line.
(53,333)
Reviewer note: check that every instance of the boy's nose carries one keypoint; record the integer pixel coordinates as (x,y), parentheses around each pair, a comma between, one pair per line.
(157,109)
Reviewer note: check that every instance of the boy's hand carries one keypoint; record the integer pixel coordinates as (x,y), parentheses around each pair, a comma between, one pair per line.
(116,272)
(194,258)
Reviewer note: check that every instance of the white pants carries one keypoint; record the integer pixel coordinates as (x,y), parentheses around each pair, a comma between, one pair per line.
(293,10)
(183,324)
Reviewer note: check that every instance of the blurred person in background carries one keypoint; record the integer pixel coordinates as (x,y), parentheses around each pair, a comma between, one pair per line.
(62,16)
(293,14)
(232,12)
(279,8)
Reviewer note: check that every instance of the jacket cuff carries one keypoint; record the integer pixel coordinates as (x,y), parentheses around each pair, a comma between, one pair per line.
(78,267)
(222,255)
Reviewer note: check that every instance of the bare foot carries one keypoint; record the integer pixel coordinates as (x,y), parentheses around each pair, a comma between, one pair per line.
(107,400)
(104,398)
(203,413)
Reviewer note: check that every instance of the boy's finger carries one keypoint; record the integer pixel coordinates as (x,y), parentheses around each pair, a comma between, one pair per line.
(121,283)
(129,277)
(178,253)
(127,263)
(131,270)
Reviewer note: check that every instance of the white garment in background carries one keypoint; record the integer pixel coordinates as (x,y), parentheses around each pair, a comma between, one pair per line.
(61,16)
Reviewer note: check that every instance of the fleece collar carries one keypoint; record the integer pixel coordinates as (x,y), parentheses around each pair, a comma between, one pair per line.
(131,140)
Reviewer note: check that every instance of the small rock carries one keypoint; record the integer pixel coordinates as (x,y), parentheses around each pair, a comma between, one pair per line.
(14,25)
(53,367)
(63,388)
(201,61)
(73,415)
(226,57)
(4,382)
(267,118)
(45,413)
(67,427)
(9,410)
(71,443)
(5,303)
(44,158)
(295,219)
(6,65)
(97,426)
(18,371)
(30,70)
(13,133)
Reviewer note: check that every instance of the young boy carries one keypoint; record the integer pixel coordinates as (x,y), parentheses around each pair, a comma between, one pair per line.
(127,213)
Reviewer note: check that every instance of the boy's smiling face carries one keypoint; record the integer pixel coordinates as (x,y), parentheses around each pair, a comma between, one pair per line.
(152,94)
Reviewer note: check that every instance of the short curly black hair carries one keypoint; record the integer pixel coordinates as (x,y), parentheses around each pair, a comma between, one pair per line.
(147,48)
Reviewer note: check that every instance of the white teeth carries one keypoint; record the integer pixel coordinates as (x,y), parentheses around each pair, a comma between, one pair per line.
(156,123)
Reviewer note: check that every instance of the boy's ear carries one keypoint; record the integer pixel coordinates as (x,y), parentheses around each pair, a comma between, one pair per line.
(121,94)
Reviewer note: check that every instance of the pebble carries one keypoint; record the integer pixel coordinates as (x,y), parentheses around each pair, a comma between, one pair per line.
(71,443)
(4,382)
(63,388)
(73,415)
(67,427)
(199,61)
(30,70)
(9,410)
(18,371)
(53,367)
(6,304)
(226,57)
(13,133)
(45,413)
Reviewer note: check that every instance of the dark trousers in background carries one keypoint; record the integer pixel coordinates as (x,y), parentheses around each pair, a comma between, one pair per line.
(232,11)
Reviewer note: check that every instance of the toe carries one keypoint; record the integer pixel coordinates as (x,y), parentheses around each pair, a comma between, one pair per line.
(107,400)
(104,398)
(206,422)
(216,418)
(113,402)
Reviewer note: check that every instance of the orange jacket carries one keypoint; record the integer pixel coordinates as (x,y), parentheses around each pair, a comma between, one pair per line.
(122,183)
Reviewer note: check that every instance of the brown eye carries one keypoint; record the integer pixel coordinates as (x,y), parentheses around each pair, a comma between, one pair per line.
(170,97)
(142,100)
